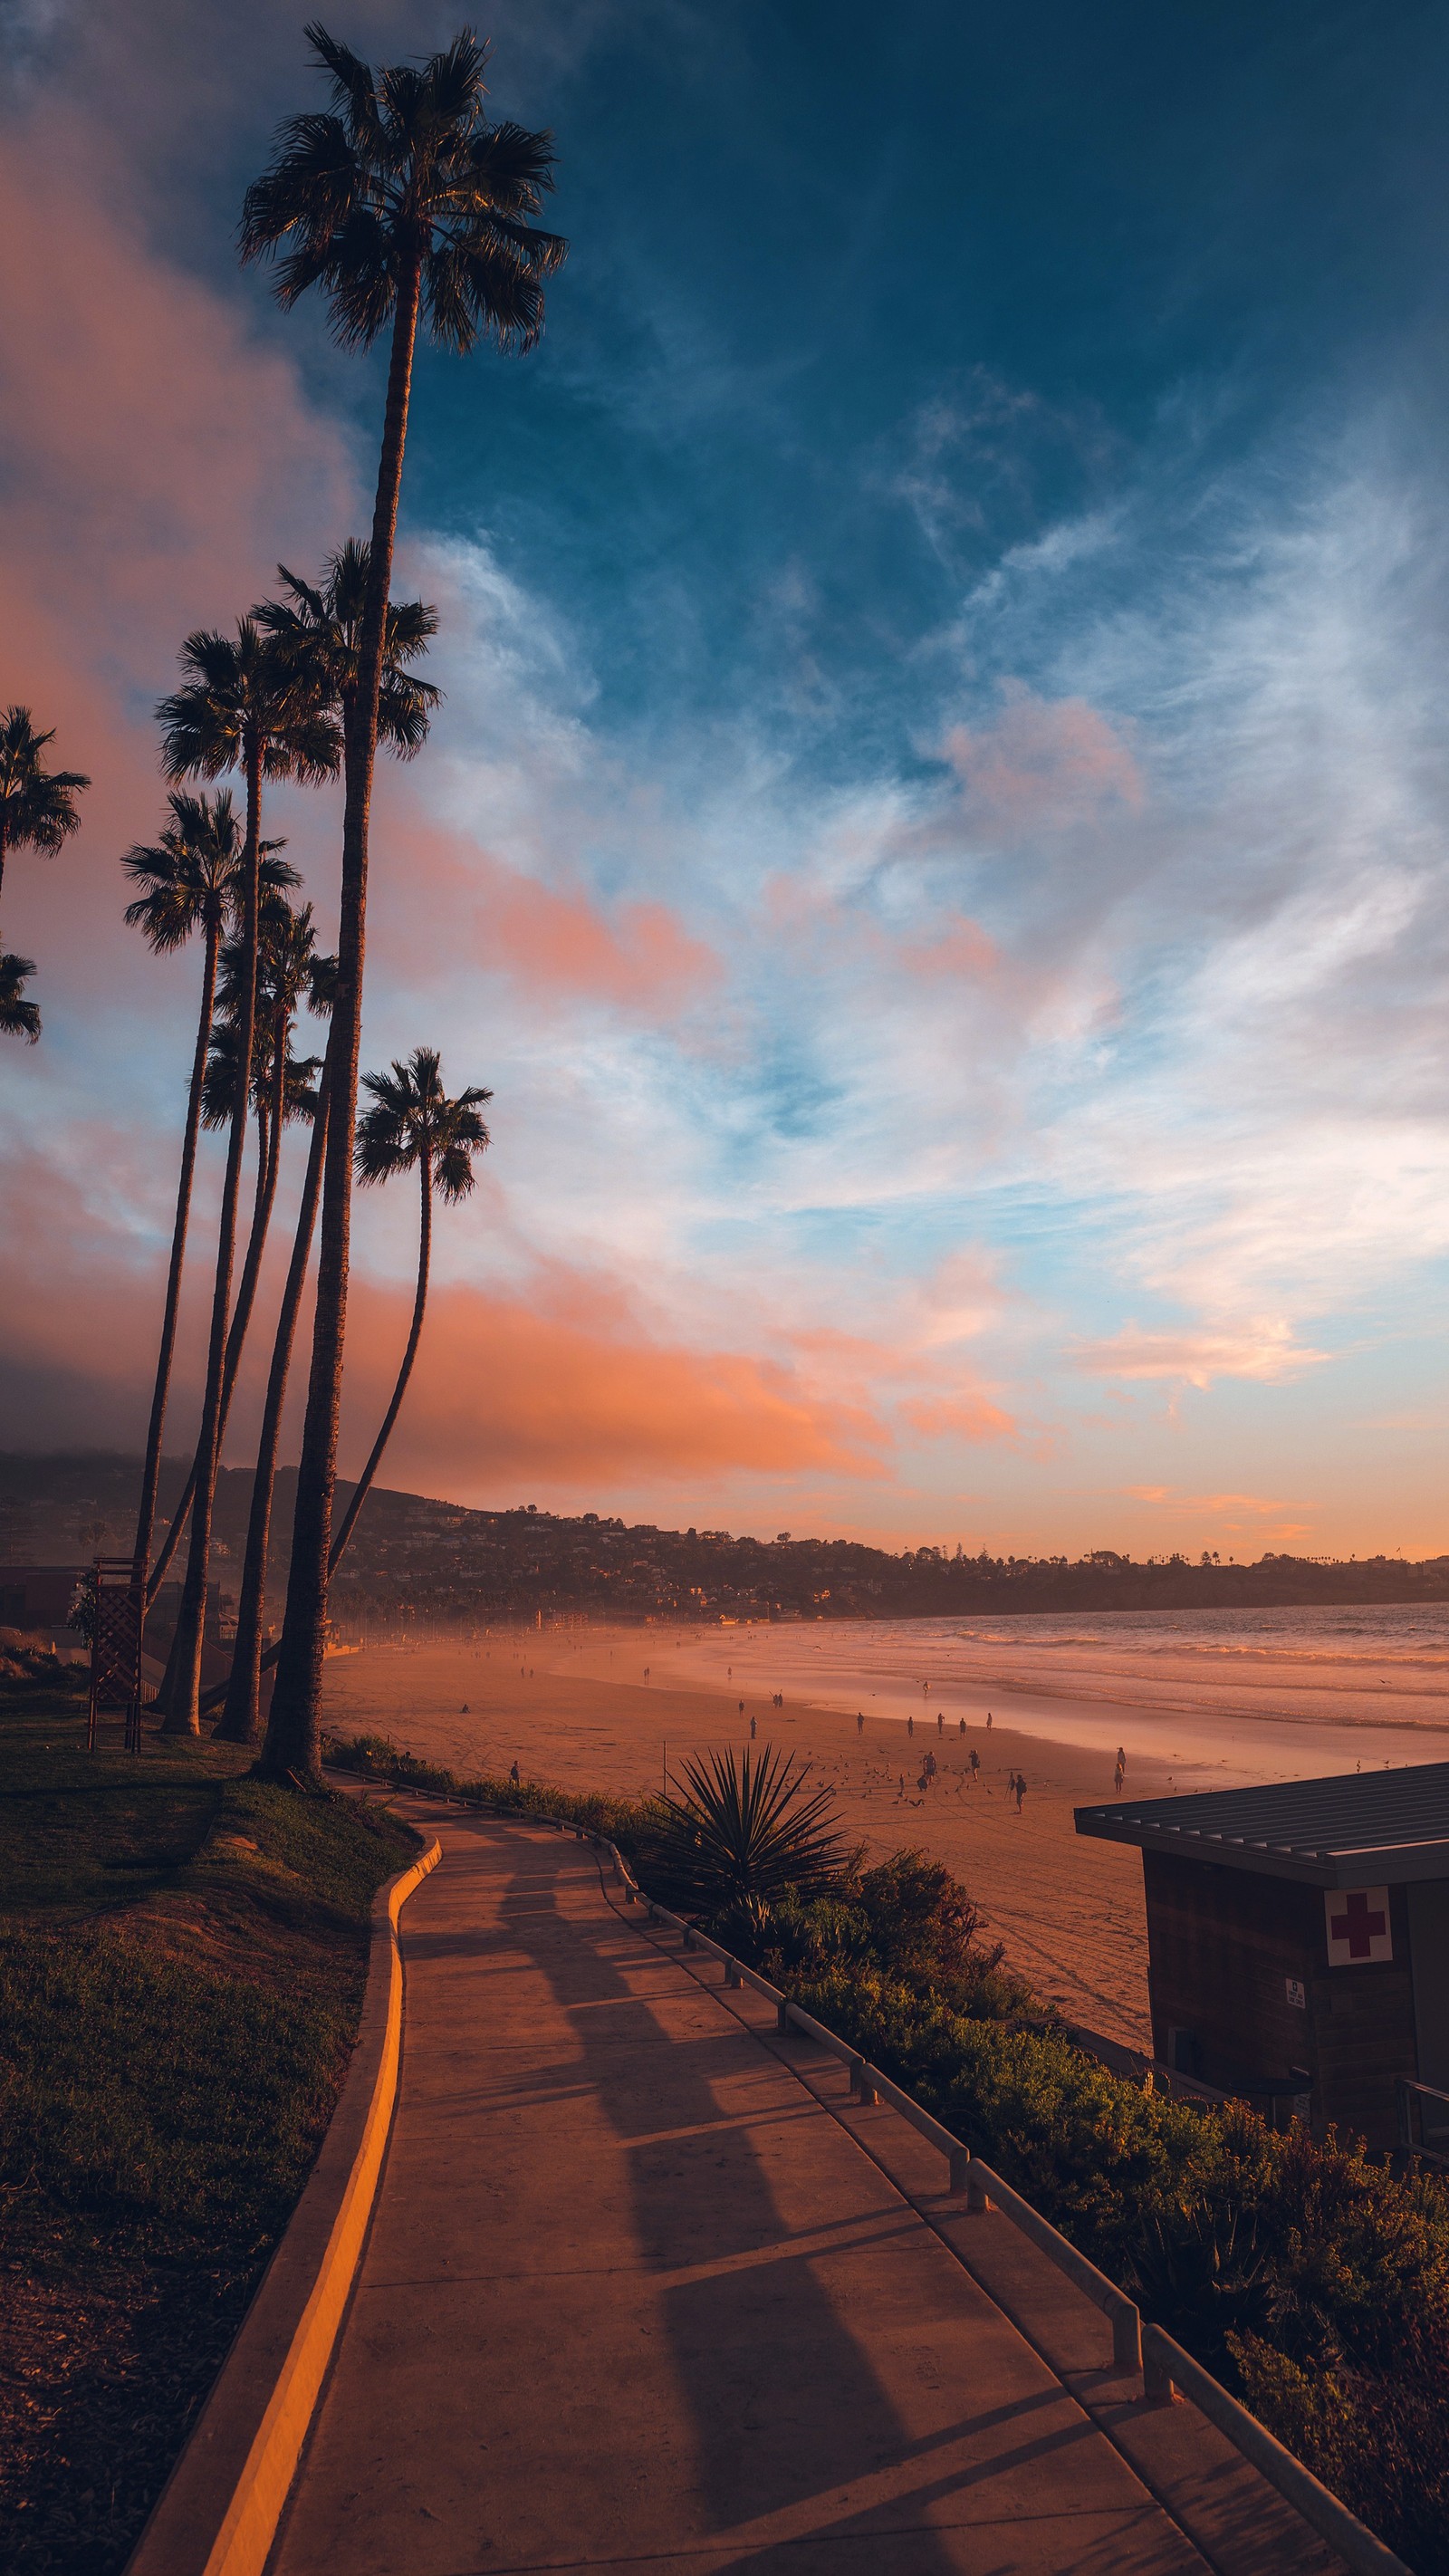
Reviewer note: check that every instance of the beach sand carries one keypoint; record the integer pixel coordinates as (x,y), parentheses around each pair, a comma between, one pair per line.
(576,1710)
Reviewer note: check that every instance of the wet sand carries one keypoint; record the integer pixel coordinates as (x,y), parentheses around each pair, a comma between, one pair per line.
(601,1709)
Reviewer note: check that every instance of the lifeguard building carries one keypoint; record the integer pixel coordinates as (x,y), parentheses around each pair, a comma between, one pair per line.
(1298,1945)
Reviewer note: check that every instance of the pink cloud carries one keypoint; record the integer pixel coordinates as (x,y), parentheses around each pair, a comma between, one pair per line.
(970,1417)
(154,461)
(564,1385)
(637,956)
(1260,1347)
(1044,764)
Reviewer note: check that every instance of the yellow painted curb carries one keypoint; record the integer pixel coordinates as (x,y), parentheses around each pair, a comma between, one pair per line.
(217,2514)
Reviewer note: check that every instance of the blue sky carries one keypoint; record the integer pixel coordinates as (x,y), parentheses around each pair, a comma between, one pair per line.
(936,837)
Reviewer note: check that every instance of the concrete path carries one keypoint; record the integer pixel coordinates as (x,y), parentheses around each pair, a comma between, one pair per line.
(640,2294)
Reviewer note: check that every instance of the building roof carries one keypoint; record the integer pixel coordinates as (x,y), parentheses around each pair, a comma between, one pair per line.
(1354,1829)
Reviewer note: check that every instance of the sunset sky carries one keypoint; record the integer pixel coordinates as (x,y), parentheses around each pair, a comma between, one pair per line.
(936,838)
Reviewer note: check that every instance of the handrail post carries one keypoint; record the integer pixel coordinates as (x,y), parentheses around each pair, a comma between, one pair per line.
(976,2195)
(861,2085)
(960,2171)
(732,1972)
(1127,2336)
(782,2014)
(1158,2385)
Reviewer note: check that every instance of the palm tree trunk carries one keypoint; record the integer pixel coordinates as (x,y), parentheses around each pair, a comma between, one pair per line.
(292,1735)
(151,1465)
(268,1156)
(4,837)
(425,1247)
(182,1714)
(241,1713)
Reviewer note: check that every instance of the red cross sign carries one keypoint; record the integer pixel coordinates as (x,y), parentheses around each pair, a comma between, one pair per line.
(1358,1925)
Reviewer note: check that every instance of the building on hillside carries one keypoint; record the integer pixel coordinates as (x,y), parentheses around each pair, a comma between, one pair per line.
(1298,1945)
(37,1596)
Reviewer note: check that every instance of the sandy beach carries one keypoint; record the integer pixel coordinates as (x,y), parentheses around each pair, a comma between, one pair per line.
(1194,1704)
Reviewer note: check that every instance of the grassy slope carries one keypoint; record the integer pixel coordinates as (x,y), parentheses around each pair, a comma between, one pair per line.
(182,1956)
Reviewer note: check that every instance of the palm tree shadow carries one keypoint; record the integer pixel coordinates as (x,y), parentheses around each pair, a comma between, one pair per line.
(776,2385)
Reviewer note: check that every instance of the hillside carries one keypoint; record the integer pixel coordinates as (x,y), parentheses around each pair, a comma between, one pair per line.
(413,1557)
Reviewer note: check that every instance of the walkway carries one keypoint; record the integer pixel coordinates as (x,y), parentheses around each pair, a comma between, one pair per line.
(644,2291)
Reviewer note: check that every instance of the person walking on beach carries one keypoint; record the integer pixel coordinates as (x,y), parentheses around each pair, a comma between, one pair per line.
(752,1730)
(1121,1771)
(860,1721)
(910,1726)
(974,1759)
(963,1726)
(513,1776)
(988,1717)
(1020,1789)
(940,1722)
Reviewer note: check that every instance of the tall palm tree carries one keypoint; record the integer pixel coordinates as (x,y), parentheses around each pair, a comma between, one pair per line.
(412,1125)
(241,707)
(191,881)
(37,805)
(402,204)
(18,1018)
(240,1721)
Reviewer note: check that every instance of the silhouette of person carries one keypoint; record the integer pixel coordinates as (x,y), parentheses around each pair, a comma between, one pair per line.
(1020,1789)
(513,1776)
(940,1721)
(910,1726)
(1120,1772)
(860,1721)
(752,1730)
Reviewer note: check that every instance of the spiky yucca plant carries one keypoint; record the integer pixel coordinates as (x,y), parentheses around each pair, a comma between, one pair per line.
(743,1833)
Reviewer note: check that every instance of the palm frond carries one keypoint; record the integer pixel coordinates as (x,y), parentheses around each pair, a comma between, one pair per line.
(412,1121)
(37,805)
(18,1018)
(404,158)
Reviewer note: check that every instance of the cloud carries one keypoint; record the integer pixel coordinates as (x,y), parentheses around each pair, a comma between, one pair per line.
(154,460)
(1264,1350)
(564,1388)
(961,1417)
(1043,766)
(556,939)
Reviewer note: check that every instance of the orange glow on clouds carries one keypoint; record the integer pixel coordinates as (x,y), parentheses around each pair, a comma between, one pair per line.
(565,1387)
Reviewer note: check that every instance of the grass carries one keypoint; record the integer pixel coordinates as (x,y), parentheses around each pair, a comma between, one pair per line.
(182,1958)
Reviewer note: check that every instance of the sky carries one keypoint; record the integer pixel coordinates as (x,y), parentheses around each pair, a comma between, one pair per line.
(935,837)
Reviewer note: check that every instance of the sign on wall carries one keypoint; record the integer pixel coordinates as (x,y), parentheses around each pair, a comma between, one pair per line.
(1357,1920)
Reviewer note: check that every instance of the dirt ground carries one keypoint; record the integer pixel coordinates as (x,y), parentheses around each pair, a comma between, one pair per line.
(595,1708)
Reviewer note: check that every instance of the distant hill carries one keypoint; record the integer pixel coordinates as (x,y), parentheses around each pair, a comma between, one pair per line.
(412,1557)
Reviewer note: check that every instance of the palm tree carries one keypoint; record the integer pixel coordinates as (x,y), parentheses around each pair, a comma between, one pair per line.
(241,1711)
(241,707)
(37,805)
(744,1835)
(321,629)
(281,1091)
(402,204)
(413,1126)
(18,1018)
(190,881)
